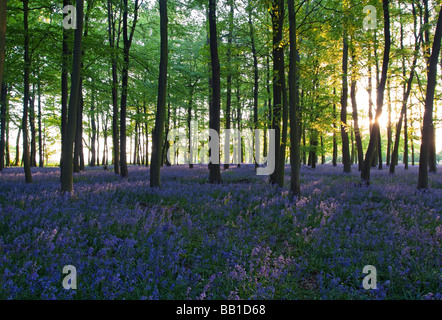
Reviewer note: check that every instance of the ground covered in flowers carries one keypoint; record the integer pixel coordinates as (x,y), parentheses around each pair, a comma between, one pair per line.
(242,239)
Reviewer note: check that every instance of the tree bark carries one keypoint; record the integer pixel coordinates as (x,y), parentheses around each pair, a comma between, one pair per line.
(358,137)
(255,75)
(277,14)
(3,91)
(214,116)
(26,96)
(229,82)
(157,137)
(67,144)
(427,131)
(114,64)
(406,94)
(375,132)
(40,131)
(127,42)
(344,128)
(4,106)
(64,83)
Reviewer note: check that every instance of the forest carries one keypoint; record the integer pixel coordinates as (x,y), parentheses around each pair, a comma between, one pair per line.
(220,149)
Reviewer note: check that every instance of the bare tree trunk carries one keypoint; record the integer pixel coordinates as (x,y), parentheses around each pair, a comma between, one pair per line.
(214,116)
(256,73)
(94,132)
(33,130)
(64,84)
(114,62)
(358,137)
(127,42)
(277,14)
(335,141)
(406,94)
(229,82)
(428,131)
(17,147)
(26,158)
(3,103)
(3,18)
(67,144)
(157,137)
(344,128)
(40,134)
(375,132)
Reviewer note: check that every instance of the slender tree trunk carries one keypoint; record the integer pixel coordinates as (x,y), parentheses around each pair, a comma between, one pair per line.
(127,40)
(406,94)
(344,128)
(285,120)
(26,96)
(78,143)
(239,123)
(17,147)
(166,144)
(358,137)
(33,129)
(229,84)
(97,136)
(3,103)
(277,14)
(146,128)
(256,74)
(389,125)
(114,63)
(427,131)
(3,19)
(40,134)
(157,137)
(67,145)
(374,136)
(64,83)
(94,132)
(189,126)
(214,116)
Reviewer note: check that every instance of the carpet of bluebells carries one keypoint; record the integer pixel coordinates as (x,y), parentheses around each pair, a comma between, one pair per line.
(242,239)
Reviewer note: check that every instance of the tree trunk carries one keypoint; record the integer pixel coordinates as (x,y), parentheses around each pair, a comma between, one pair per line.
(358,137)
(17,148)
(229,83)
(427,131)
(157,137)
(214,112)
(432,143)
(406,94)
(64,83)
(40,134)
(127,41)
(3,90)
(344,128)
(389,125)
(33,130)
(375,132)
(256,76)
(27,67)
(114,62)
(67,144)
(94,132)
(277,14)
(3,19)
(335,142)
(3,104)
(78,143)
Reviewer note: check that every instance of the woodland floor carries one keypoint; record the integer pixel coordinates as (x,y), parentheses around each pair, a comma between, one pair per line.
(242,239)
